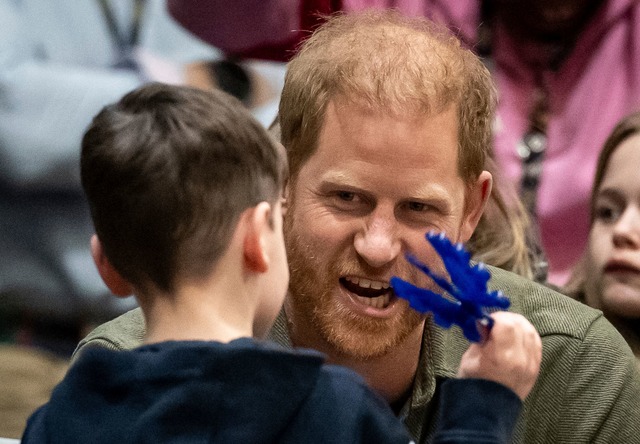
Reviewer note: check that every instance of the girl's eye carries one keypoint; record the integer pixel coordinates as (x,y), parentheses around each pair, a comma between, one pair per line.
(606,214)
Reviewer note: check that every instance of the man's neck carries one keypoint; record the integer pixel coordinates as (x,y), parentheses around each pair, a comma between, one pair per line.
(391,375)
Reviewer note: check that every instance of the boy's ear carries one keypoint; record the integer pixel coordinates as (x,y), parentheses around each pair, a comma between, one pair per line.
(255,240)
(111,277)
(475,201)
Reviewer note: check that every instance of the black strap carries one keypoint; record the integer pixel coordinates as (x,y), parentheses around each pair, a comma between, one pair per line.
(124,42)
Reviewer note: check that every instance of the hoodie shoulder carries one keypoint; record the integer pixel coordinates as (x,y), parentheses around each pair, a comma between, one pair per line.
(342,408)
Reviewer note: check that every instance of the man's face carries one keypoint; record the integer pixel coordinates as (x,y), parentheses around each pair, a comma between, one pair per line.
(613,281)
(368,195)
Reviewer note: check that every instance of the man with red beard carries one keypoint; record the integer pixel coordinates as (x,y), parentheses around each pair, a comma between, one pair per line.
(387,124)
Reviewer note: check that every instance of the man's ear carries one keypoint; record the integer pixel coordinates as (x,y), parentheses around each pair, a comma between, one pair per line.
(475,201)
(111,277)
(258,226)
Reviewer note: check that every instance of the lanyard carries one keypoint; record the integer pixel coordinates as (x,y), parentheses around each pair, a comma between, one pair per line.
(124,42)
(531,151)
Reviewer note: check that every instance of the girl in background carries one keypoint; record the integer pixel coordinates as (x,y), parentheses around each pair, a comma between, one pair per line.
(608,277)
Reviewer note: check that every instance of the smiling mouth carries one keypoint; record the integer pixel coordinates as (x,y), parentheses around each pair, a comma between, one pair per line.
(376,294)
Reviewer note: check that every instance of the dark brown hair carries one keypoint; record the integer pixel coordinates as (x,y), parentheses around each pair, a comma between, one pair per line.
(167,171)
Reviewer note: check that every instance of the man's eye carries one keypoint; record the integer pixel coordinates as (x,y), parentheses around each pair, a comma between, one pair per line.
(348,201)
(417,206)
(347,196)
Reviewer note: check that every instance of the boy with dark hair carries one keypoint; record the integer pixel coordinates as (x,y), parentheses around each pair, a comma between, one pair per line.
(185,192)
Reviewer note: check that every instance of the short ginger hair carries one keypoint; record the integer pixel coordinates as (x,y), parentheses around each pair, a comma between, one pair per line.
(383,60)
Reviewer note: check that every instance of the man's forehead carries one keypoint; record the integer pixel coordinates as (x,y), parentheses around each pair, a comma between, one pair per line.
(355,117)
(362,139)
(398,107)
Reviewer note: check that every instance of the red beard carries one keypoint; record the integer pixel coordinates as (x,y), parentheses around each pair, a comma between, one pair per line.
(312,303)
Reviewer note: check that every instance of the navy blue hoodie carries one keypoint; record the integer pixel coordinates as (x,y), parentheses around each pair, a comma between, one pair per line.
(202,392)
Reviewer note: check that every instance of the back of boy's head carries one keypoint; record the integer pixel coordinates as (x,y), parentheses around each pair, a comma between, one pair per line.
(167,172)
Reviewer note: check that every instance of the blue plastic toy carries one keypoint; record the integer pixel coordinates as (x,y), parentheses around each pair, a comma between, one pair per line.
(468,286)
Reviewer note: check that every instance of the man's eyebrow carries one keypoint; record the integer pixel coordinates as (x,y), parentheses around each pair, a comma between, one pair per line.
(336,177)
(428,191)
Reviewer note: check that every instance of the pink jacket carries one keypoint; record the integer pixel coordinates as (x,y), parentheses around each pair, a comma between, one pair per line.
(598,83)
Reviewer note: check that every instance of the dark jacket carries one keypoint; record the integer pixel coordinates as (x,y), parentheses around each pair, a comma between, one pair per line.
(188,392)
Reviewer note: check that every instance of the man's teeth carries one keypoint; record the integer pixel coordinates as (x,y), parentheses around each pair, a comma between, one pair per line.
(366,283)
(379,302)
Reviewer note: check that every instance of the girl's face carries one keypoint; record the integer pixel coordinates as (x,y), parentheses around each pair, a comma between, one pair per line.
(613,280)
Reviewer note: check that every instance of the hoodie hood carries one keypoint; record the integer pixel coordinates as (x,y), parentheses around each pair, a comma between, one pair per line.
(244,391)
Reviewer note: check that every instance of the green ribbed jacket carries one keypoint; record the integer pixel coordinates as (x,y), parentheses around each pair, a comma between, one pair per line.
(588,390)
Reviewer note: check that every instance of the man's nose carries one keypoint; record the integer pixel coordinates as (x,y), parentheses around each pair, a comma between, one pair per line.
(378,243)
(626,231)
